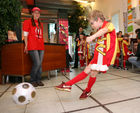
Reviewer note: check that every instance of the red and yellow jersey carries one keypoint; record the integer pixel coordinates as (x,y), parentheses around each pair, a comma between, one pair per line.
(86,50)
(125,47)
(34,34)
(81,47)
(105,50)
(119,44)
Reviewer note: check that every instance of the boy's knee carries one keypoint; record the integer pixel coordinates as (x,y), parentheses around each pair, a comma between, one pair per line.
(93,73)
(87,69)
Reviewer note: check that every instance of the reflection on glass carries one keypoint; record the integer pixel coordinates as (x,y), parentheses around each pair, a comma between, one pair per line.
(52,33)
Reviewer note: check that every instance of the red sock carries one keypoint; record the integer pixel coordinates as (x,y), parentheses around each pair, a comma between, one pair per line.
(117,62)
(80,63)
(124,64)
(76,79)
(90,83)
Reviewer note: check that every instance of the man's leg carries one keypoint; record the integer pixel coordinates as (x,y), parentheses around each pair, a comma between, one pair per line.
(76,58)
(134,61)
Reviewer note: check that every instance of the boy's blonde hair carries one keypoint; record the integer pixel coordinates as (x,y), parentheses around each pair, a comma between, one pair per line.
(95,14)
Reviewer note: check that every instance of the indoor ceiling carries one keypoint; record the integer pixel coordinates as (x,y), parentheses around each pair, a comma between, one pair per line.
(50,4)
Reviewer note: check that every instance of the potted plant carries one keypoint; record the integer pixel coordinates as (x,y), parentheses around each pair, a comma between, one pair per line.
(10,11)
(77,18)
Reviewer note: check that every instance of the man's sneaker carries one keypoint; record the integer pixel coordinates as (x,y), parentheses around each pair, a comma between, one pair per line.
(85,94)
(63,87)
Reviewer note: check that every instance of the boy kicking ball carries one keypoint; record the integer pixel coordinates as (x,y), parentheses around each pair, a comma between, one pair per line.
(104,53)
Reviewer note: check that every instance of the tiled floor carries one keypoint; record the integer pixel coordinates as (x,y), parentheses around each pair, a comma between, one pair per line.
(117,91)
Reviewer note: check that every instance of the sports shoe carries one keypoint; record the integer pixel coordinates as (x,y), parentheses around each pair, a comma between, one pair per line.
(63,87)
(40,83)
(118,67)
(84,95)
(125,68)
(34,84)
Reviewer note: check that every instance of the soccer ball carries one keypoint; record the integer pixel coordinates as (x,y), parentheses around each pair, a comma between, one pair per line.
(23,93)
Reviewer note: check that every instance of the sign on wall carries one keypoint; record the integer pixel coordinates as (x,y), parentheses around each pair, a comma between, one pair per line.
(130,18)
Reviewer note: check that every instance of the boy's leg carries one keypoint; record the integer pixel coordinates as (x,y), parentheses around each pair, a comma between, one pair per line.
(80,76)
(67,86)
(117,61)
(92,80)
(86,93)
(124,62)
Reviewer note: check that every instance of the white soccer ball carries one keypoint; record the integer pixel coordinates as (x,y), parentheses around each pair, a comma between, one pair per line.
(23,93)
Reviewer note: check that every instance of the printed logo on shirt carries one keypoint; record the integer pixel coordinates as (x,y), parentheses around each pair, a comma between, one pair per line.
(38,33)
(101,46)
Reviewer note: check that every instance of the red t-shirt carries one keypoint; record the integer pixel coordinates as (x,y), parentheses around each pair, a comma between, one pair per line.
(35,35)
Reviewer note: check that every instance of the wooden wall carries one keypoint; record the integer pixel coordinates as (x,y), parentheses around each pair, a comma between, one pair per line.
(16,62)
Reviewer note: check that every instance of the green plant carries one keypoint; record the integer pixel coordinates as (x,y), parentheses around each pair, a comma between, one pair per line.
(77,18)
(10,16)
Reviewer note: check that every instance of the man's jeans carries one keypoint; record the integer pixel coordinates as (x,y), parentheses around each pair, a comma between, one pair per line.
(134,61)
(37,57)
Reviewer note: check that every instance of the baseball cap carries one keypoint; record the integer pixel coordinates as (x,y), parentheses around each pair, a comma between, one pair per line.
(35,9)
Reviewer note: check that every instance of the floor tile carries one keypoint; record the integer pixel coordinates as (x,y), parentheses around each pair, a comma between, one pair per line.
(116,88)
(70,100)
(132,106)
(137,78)
(93,110)
(4,87)
(46,101)
(7,105)
(104,94)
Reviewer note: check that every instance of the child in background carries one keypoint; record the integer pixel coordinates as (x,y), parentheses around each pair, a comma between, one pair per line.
(81,44)
(92,47)
(87,53)
(125,51)
(104,55)
(117,62)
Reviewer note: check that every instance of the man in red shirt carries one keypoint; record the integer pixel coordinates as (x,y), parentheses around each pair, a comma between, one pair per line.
(34,45)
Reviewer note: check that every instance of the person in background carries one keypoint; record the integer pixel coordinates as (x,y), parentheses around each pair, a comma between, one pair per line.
(92,47)
(34,45)
(117,61)
(87,53)
(76,59)
(81,44)
(125,50)
(104,54)
(120,32)
(67,69)
(135,60)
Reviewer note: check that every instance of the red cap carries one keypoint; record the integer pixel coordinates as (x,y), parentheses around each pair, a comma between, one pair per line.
(35,9)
